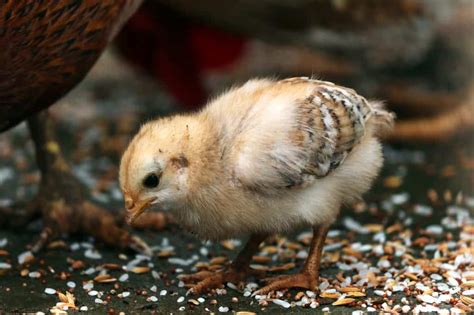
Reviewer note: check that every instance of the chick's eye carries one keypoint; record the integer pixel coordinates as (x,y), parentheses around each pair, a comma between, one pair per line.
(151,181)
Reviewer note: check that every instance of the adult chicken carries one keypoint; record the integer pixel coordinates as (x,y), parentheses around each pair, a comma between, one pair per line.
(47,47)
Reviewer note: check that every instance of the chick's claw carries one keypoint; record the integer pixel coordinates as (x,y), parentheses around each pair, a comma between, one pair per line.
(207,280)
(140,246)
(299,280)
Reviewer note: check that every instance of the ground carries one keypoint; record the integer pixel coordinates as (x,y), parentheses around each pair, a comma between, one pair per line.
(408,247)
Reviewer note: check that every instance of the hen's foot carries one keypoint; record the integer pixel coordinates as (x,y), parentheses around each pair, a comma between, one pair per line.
(63,200)
(300,280)
(207,280)
(62,215)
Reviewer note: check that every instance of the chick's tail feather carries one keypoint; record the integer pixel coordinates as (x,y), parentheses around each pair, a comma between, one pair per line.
(382,121)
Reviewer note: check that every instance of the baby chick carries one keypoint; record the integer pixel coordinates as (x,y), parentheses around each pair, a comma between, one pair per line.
(260,159)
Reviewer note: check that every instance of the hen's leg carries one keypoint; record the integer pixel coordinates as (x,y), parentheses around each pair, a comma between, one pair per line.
(63,199)
(308,277)
(236,272)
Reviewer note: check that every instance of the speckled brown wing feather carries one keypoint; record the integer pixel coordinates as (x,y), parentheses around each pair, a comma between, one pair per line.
(47,47)
(328,122)
(331,122)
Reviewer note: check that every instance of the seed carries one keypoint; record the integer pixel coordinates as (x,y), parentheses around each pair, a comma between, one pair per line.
(140,269)
(374,228)
(62,297)
(467,300)
(270,249)
(218,260)
(432,195)
(105,278)
(112,266)
(261,259)
(228,244)
(392,182)
(193,301)
(166,253)
(349,289)
(329,295)
(77,264)
(299,295)
(356,294)
(343,301)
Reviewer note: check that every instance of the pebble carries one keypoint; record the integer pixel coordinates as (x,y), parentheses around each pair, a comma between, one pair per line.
(34,274)
(180,261)
(92,254)
(427,298)
(88,286)
(423,210)
(180,299)
(49,291)
(282,303)
(435,229)
(163,292)
(355,226)
(25,257)
(223,309)
(399,199)
(71,284)
(152,299)
(124,277)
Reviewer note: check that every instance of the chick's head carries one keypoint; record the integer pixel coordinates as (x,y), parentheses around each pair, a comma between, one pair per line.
(154,169)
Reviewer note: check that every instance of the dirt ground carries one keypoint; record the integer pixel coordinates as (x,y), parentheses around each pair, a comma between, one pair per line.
(408,247)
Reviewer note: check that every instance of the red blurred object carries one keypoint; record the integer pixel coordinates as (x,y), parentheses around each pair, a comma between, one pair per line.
(176,51)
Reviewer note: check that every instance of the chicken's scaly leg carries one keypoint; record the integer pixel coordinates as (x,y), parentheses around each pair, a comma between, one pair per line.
(63,199)
(308,277)
(236,272)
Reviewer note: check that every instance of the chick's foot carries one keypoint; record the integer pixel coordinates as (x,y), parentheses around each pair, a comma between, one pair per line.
(308,278)
(207,280)
(300,280)
(63,200)
(235,273)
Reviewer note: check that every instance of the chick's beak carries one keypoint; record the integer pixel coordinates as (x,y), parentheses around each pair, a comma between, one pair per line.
(135,209)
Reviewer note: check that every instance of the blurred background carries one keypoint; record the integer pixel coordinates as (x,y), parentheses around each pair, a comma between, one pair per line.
(173,55)
(416,55)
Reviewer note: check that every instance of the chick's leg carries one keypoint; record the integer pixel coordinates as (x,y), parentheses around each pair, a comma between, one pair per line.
(236,272)
(63,199)
(308,277)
